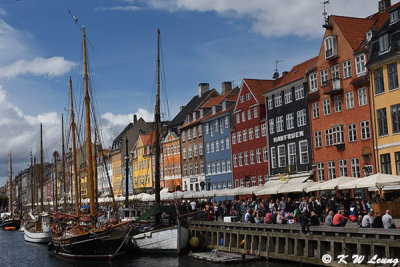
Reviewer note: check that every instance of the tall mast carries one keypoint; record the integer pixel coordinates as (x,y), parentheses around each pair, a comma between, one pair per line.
(41,169)
(32,184)
(73,126)
(63,164)
(157,118)
(35,174)
(126,173)
(10,205)
(88,131)
(55,191)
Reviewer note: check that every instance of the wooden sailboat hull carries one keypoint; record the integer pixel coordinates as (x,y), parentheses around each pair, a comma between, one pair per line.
(37,237)
(100,244)
(162,240)
(10,223)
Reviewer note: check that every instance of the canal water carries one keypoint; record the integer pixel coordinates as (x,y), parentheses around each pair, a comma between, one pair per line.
(14,251)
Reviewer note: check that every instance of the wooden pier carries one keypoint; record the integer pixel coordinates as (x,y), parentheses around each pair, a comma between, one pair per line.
(286,242)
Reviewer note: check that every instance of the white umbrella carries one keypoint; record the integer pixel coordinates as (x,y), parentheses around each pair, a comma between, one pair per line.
(269,188)
(225,192)
(295,187)
(331,184)
(378,180)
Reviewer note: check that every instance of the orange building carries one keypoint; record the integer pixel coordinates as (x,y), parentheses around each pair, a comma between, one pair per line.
(171,171)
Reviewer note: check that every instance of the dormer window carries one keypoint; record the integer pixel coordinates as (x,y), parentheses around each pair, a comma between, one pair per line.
(187,117)
(368,36)
(194,115)
(330,46)
(214,110)
(201,113)
(224,105)
(394,16)
(384,43)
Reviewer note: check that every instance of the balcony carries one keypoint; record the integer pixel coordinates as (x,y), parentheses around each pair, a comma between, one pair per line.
(333,87)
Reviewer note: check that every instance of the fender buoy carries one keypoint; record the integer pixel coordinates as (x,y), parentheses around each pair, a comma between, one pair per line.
(10,228)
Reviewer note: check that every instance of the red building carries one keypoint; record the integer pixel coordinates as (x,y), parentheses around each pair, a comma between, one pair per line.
(338,101)
(249,134)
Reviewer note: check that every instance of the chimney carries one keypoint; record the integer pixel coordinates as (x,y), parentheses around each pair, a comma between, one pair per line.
(134,119)
(203,87)
(284,73)
(181,108)
(226,86)
(384,5)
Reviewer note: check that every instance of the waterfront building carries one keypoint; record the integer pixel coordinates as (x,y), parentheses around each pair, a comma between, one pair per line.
(249,134)
(192,154)
(338,101)
(383,64)
(217,145)
(287,115)
(171,161)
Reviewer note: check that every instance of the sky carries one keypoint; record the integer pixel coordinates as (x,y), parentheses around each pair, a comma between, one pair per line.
(202,41)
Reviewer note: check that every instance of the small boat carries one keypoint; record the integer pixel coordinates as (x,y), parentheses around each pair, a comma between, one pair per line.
(39,231)
(10,223)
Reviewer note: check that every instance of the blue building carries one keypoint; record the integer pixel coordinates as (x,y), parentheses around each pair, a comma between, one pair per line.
(216,132)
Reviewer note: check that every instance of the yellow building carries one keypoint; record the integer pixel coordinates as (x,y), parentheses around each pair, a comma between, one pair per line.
(384,64)
(116,163)
(142,163)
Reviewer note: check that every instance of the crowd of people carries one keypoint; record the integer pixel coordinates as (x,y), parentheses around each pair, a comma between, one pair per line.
(307,211)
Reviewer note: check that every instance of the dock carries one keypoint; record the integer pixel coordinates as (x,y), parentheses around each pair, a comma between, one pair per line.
(223,257)
(286,242)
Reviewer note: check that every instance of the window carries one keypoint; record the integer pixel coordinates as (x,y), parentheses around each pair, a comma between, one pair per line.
(331,170)
(244,135)
(273,157)
(216,126)
(337,102)
(365,131)
(299,92)
(255,112)
(212,147)
(185,170)
(253,181)
(392,76)
(342,167)
(281,156)
(234,160)
(251,134)
(330,46)
(263,129)
(318,139)
(183,136)
(320,171)
(271,126)
(233,138)
(252,157)
(382,122)
(200,149)
(270,105)
(328,137)
(228,165)
(279,124)
(236,183)
(222,145)
(352,132)
(242,99)
(349,100)
(190,152)
(260,180)
(278,100)
(223,168)
(184,153)
(238,117)
(194,132)
(213,170)
(394,16)
(257,131)
(301,118)
(313,82)
(384,43)
(289,121)
(326,103)
(265,153)
(227,122)
(196,168)
(208,168)
(303,145)
(218,167)
(395,110)
(258,154)
(315,108)
(240,159)
(188,134)
(386,166)
(397,158)
(292,154)
(246,158)
(338,134)
(347,69)
(360,65)
(239,137)
(243,116)
(288,96)
(227,143)
(378,80)
(248,96)
(335,72)
(362,96)
(355,167)
(195,151)
(241,182)
(324,77)
(249,114)
(217,145)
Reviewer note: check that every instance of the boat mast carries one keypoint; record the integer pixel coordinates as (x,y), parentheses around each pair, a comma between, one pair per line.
(88,131)
(35,174)
(55,191)
(126,173)
(157,118)
(63,164)
(41,169)
(73,126)
(32,184)
(10,205)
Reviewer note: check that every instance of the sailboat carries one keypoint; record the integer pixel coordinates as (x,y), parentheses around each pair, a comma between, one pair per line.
(87,238)
(39,231)
(10,223)
(160,238)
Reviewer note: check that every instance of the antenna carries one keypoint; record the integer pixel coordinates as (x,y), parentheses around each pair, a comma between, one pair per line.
(325,14)
(276,64)
(79,26)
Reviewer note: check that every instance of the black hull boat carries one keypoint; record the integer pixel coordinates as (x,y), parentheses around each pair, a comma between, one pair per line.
(95,244)
(6,224)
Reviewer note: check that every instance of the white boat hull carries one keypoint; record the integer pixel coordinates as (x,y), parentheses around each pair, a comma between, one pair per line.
(162,240)
(39,237)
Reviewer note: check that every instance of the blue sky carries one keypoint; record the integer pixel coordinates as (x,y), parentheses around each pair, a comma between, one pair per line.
(202,40)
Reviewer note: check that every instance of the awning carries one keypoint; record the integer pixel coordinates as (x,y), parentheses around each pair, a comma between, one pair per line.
(378,180)
(270,187)
(331,184)
(295,185)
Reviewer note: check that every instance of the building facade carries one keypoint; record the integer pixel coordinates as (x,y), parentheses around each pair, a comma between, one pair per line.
(142,163)
(171,162)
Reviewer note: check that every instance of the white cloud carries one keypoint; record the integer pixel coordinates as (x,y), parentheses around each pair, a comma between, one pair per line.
(54,66)
(274,17)
(118,8)
(2,12)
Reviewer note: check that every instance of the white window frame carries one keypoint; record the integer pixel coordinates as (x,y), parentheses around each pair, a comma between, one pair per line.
(315,108)
(360,64)
(349,100)
(291,150)
(279,124)
(346,69)
(299,92)
(271,126)
(362,96)
(301,118)
(313,82)
(289,121)
(303,152)
(326,103)
(337,103)
(318,139)
(273,157)
(278,100)
(281,156)
(365,130)
(288,96)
